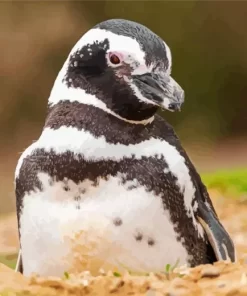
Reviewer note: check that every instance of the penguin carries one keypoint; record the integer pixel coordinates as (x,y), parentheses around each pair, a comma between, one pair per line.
(108,176)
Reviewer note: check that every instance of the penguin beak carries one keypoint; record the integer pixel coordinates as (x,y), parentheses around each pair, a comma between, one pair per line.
(161,89)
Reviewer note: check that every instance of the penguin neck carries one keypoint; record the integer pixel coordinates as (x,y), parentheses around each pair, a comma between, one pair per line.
(77,117)
(79,114)
(61,93)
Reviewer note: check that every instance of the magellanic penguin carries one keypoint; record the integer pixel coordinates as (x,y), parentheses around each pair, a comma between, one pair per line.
(107,172)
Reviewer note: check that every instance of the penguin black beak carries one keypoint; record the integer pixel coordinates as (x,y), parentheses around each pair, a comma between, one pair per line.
(161,89)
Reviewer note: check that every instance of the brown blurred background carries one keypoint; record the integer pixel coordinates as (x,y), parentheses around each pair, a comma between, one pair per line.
(208,40)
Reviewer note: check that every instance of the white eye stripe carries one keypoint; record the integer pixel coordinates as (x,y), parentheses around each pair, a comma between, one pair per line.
(169,58)
(117,43)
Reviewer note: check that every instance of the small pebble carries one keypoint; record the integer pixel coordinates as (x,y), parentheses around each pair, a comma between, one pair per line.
(221,284)
(85,282)
(118,284)
(243,280)
(102,271)
(210,271)
(151,292)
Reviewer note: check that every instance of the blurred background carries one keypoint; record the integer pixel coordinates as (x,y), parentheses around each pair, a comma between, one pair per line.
(208,40)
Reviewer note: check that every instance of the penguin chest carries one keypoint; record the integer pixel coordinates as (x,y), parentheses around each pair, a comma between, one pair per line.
(77,227)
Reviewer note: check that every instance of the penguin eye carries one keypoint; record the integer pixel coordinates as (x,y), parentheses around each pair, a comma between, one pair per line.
(115,58)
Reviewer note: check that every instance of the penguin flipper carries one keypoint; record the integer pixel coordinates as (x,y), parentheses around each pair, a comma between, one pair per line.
(19,266)
(218,237)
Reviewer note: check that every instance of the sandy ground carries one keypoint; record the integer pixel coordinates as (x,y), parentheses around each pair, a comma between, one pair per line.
(221,278)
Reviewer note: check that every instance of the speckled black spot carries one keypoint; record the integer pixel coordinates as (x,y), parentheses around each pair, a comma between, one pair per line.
(117,222)
(138,237)
(151,242)
(66,188)
(82,190)
(50,182)
(131,187)
(95,182)
(77,198)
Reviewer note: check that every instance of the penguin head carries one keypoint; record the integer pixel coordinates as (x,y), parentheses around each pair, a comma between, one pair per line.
(121,67)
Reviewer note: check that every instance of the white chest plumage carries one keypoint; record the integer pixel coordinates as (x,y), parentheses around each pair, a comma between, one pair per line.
(110,224)
(120,227)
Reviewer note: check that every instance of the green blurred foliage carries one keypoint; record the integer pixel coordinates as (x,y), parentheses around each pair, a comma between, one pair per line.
(232,182)
(9,260)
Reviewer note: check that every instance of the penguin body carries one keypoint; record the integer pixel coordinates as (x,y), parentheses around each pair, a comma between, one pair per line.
(108,182)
